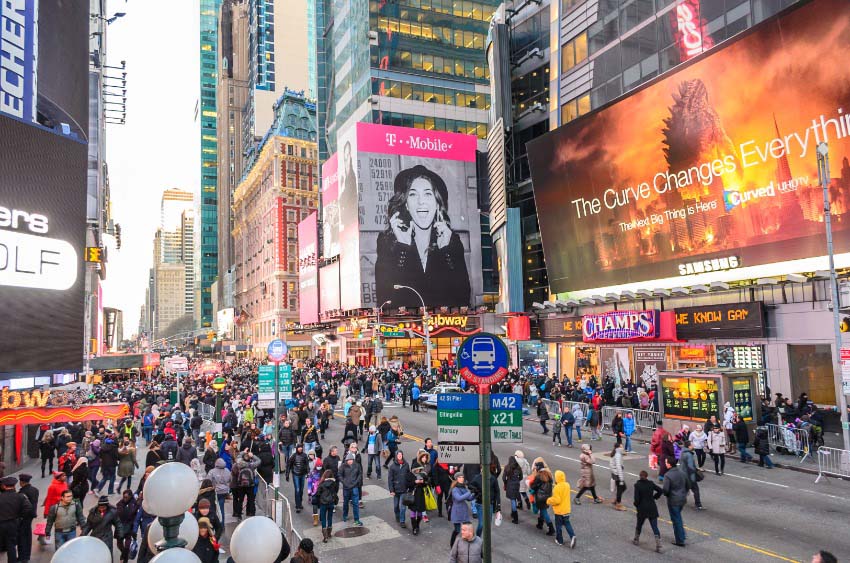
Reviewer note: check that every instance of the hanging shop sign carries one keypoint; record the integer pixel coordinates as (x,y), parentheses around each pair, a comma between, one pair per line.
(464,325)
(629,326)
(729,320)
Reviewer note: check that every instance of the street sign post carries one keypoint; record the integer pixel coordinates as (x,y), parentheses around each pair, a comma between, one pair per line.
(459,453)
(483,360)
(277,352)
(265,388)
(458,435)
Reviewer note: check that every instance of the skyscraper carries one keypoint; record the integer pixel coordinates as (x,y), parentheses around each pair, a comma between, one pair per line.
(209,156)
(410,64)
(177,239)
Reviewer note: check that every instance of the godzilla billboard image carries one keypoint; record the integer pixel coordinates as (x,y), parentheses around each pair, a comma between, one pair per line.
(710,168)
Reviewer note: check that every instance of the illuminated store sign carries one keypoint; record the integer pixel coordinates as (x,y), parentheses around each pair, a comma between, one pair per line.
(31,261)
(620,325)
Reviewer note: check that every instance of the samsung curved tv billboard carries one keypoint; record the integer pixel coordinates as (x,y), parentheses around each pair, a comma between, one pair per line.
(709,169)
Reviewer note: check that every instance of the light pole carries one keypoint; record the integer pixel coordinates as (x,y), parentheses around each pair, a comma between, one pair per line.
(424,327)
(823,173)
(378,328)
(218,384)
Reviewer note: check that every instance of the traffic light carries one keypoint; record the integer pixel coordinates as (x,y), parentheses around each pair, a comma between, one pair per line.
(94,254)
(118,236)
(845,324)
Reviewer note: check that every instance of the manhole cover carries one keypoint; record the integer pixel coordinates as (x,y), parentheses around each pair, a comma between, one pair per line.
(353,532)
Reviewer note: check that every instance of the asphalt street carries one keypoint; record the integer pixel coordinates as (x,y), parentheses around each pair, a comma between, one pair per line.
(752,513)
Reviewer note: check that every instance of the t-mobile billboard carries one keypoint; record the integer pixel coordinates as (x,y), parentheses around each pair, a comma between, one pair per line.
(308,273)
(417,217)
(710,168)
(330,208)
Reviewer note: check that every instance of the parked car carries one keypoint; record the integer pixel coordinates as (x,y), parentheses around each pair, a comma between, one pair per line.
(429,398)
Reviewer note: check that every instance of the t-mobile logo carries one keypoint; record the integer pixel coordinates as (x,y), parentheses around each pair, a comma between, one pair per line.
(391,139)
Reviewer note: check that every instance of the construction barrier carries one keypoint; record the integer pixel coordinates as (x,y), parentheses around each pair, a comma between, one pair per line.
(792,441)
(833,462)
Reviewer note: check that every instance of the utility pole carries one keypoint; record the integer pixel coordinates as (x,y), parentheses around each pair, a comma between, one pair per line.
(823,173)
(486,501)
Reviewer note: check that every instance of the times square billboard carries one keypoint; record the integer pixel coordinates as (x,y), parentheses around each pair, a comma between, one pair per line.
(400,208)
(308,272)
(710,171)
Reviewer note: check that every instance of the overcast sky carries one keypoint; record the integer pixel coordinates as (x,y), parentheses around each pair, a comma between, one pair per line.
(159,146)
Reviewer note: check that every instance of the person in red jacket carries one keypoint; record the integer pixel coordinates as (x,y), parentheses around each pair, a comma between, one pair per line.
(54,491)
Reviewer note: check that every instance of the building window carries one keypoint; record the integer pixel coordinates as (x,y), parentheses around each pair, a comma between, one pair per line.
(574,52)
(575,108)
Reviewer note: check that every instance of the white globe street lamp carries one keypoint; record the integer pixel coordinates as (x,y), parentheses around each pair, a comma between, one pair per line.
(176,555)
(256,540)
(188,531)
(84,548)
(170,490)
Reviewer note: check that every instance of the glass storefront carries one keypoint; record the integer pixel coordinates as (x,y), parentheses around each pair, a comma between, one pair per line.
(811,372)
(534,356)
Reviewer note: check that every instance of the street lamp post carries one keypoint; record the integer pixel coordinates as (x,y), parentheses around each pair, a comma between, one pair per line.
(378,329)
(218,385)
(424,326)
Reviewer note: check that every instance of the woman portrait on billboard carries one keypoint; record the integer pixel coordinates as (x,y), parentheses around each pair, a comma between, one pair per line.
(419,248)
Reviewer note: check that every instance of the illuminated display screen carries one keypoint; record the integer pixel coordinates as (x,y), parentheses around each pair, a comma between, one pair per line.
(690,397)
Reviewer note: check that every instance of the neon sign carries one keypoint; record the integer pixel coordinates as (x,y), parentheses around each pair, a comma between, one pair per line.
(690,30)
(621,325)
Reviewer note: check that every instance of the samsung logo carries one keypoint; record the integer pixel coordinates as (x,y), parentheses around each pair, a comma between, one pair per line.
(713,265)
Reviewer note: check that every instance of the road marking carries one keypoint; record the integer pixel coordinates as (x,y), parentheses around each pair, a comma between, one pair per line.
(405,435)
(758,481)
(759,550)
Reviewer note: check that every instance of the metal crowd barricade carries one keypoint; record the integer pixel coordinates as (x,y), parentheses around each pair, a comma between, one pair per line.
(278,508)
(553,407)
(206,411)
(794,441)
(569,405)
(644,419)
(833,462)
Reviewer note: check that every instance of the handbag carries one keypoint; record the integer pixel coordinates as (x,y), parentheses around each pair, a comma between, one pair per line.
(699,476)
(430,499)
(613,486)
(134,548)
(407,499)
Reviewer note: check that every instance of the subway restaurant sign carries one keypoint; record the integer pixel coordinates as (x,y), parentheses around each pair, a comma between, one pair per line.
(39,406)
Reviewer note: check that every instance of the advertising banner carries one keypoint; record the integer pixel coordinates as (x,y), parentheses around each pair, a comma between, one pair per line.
(18,58)
(330,208)
(695,173)
(42,240)
(649,360)
(729,320)
(329,288)
(308,272)
(418,217)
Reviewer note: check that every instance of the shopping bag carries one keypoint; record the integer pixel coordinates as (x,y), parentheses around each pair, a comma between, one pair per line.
(653,461)
(498,519)
(613,486)
(134,548)
(430,499)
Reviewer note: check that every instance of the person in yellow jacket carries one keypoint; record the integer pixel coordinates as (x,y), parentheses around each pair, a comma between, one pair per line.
(560,503)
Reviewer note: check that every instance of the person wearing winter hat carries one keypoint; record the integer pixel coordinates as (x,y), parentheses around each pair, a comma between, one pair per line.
(206,546)
(304,553)
(526,472)
(351,478)
(373,448)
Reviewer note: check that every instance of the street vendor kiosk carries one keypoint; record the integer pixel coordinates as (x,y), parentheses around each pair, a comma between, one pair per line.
(692,396)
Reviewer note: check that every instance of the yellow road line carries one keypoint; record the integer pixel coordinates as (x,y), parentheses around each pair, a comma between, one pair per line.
(759,550)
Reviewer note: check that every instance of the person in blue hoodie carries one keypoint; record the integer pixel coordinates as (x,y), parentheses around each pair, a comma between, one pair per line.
(415,393)
(628,430)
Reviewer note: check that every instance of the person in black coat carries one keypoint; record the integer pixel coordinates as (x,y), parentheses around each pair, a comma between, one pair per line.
(742,438)
(264,454)
(512,477)
(204,547)
(646,493)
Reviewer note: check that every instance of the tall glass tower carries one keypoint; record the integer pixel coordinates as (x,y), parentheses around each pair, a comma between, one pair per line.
(209,157)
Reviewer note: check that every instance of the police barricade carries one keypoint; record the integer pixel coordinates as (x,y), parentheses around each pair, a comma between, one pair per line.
(570,406)
(206,411)
(553,407)
(277,507)
(792,441)
(644,420)
(833,462)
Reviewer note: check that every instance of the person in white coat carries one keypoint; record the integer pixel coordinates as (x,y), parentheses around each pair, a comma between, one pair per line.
(526,472)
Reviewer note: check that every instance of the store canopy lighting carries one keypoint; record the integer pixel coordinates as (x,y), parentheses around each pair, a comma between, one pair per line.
(715,286)
(767,281)
(699,288)
(626,294)
(644,293)
(796,278)
(821,275)
(681,291)
(598,298)
(588,301)
(661,292)
(611,296)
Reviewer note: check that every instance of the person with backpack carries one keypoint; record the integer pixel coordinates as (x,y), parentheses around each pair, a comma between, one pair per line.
(393,438)
(242,485)
(298,466)
(66,515)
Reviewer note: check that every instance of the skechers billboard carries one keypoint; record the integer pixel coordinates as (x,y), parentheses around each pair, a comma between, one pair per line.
(408,215)
(712,167)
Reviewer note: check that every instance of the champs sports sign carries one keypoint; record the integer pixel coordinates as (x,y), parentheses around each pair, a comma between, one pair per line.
(621,325)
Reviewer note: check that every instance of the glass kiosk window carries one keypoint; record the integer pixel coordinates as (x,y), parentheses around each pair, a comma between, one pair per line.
(690,397)
(742,398)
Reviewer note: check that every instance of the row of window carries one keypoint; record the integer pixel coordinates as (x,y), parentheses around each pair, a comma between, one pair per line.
(431,123)
(575,108)
(481,11)
(432,94)
(449,66)
(445,35)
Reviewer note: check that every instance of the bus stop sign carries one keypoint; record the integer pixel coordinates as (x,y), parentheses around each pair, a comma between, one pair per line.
(483,359)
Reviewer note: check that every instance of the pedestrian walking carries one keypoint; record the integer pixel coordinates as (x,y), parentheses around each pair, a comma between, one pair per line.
(373,448)
(587,479)
(512,478)
(398,485)
(568,421)
(220,476)
(128,463)
(57,486)
(618,474)
(542,484)
(298,466)
(526,473)
(628,430)
(14,507)
(560,503)
(206,545)
(304,553)
(328,494)
(667,452)
(476,486)
(102,522)
(421,471)
(80,479)
(66,516)
(126,510)
(717,448)
(646,493)
(742,437)
(676,490)
(543,416)
(556,429)
(243,484)
(700,441)
(689,466)
(761,445)
(468,548)
(460,511)
(47,452)
(25,525)
(351,478)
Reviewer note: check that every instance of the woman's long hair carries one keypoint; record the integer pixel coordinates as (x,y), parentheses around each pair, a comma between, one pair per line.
(401,186)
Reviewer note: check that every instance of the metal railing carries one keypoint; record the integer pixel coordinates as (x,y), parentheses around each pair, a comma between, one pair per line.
(644,420)
(206,411)
(278,508)
(794,441)
(553,408)
(833,462)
